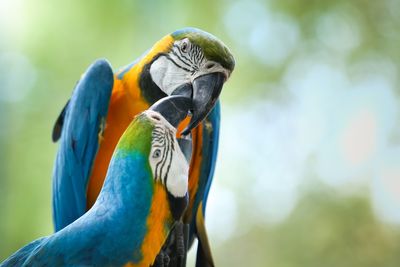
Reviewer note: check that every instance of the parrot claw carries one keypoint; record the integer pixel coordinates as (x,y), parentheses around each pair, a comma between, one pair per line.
(186,240)
(180,244)
(162,260)
(175,248)
(182,238)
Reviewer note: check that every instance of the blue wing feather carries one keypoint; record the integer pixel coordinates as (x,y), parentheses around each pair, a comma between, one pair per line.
(211,128)
(213,139)
(20,257)
(81,121)
(209,151)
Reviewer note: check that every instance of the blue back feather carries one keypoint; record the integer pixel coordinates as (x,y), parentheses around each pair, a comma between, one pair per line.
(111,233)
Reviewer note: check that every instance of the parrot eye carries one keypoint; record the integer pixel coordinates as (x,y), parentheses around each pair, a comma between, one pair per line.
(210,65)
(157,153)
(184,46)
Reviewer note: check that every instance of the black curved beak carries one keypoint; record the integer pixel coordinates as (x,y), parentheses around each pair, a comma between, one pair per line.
(204,91)
(173,108)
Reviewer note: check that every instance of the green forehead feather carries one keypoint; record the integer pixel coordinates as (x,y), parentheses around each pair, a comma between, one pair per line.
(137,137)
(213,48)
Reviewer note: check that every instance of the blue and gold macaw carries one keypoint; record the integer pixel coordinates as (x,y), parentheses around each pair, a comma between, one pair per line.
(188,62)
(144,194)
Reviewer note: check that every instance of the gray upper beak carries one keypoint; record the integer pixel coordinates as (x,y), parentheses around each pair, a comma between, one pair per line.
(204,92)
(173,108)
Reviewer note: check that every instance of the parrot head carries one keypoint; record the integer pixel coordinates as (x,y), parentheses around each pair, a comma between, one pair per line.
(193,64)
(168,158)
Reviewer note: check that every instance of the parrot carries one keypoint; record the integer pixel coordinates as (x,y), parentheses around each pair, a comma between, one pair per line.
(188,62)
(144,194)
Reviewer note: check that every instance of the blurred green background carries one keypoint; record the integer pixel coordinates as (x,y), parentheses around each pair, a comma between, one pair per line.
(309,163)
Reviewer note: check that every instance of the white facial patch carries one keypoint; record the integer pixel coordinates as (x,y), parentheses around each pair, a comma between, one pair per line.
(167,75)
(167,161)
(183,64)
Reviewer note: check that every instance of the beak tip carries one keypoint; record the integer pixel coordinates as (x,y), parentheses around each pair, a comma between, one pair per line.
(173,108)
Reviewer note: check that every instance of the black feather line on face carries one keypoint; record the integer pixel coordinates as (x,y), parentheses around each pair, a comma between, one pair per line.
(164,139)
(164,159)
(182,57)
(171,151)
(162,144)
(176,64)
(195,56)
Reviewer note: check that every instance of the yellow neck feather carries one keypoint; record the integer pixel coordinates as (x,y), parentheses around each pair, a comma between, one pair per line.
(159,223)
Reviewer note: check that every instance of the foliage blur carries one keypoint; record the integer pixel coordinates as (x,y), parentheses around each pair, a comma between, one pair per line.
(308,171)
